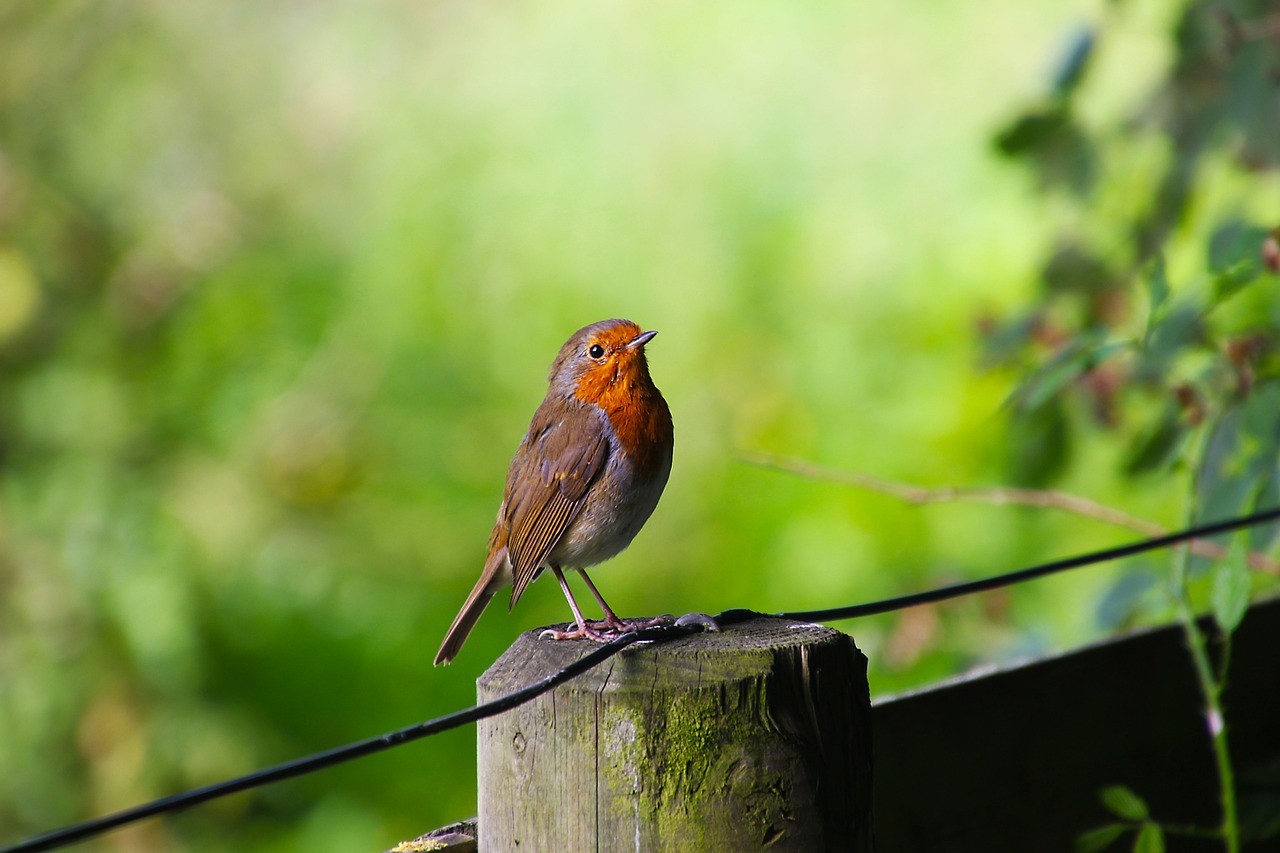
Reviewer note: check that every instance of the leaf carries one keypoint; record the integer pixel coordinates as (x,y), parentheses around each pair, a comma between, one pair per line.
(1121,602)
(1238,462)
(1080,356)
(1039,445)
(1061,151)
(1097,840)
(1158,443)
(1123,802)
(1263,536)
(1150,839)
(1001,342)
(1074,62)
(1031,130)
(1179,327)
(1235,258)
(1231,280)
(1232,584)
(1234,242)
(1075,268)
(1157,288)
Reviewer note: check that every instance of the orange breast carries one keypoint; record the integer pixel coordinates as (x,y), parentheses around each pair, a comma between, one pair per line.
(637,411)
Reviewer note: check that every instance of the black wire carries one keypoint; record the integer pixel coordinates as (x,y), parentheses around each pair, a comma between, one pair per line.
(968,588)
(88,829)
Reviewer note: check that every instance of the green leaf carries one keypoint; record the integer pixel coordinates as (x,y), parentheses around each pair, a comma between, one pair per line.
(1122,802)
(1235,241)
(1082,355)
(1231,280)
(1097,840)
(1033,129)
(1232,584)
(1157,288)
(1150,839)
(1158,443)
(1235,257)
(1178,328)
(1039,444)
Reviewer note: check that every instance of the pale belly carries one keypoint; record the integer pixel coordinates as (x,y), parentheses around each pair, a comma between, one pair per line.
(612,516)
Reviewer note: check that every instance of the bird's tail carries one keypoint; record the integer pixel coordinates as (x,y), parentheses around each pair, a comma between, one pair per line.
(491,580)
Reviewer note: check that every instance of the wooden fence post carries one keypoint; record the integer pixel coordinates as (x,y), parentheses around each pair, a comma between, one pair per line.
(755,738)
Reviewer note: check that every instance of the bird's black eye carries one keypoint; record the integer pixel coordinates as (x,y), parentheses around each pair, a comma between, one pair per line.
(595,351)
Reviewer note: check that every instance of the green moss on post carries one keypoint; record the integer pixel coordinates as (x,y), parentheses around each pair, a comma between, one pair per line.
(752,739)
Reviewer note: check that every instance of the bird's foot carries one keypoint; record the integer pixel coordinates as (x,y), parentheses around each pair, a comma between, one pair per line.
(607,630)
(582,632)
(617,626)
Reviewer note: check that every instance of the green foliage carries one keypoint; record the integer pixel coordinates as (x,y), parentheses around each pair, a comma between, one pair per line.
(1096,840)
(279,287)
(1191,385)
(1124,803)
(1232,584)
(1150,839)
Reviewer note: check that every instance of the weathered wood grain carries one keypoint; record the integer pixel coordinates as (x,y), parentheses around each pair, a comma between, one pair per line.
(755,738)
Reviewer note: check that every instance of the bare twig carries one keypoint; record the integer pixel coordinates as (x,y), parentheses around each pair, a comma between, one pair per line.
(1008,496)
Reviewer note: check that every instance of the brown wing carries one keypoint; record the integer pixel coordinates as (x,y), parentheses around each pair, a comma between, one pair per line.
(558,460)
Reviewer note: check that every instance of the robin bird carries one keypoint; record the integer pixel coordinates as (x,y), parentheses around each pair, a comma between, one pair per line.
(585,479)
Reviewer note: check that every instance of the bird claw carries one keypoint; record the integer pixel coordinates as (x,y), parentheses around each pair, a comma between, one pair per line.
(586,632)
(605,630)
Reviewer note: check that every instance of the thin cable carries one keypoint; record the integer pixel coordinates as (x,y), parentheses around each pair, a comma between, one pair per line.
(970,587)
(88,829)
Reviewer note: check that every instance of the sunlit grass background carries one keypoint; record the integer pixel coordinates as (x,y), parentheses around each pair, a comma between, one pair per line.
(279,286)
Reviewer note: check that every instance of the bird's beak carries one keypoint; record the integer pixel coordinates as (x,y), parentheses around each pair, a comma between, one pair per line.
(640,340)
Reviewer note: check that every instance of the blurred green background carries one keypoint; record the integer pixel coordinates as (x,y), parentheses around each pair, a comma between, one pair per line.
(279,287)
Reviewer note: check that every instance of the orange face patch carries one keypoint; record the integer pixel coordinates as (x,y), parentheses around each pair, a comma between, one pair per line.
(619,383)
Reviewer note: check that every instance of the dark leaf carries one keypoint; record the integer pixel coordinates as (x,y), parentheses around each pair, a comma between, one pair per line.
(1233,242)
(1238,463)
(1235,257)
(1157,283)
(1031,130)
(1123,802)
(1231,280)
(1150,839)
(1073,268)
(1039,444)
(1159,444)
(1062,153)
(1097,840)
(1251,98)
(1180,327)
(1264,536)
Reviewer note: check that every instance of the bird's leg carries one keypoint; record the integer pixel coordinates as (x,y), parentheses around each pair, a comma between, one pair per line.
(610,618)
(611,621)
(609,628)
(584,628)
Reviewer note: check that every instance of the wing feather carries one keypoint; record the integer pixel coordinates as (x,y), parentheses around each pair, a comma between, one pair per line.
(559,460)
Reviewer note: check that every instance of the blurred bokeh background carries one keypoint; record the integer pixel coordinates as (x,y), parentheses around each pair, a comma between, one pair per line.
(280,284)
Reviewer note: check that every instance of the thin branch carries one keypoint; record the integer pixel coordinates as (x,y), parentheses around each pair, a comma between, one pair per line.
(1004,496)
